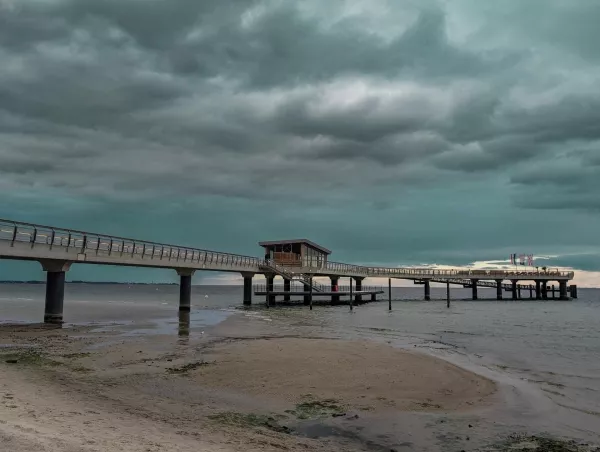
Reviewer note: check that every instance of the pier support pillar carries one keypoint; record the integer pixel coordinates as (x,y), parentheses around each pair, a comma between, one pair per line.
(427,284)
(55,296)
(373,297)
(498,289)
(185,289)
(544,290)
(562,285)
(553,292)
(270,300)
(538,290)
(573,291)
(335,288)
(247,288)
(358,298)
(530,292)
(514,289)
(287,287)
(474,288)
(306,288)
(55,290)
(519,292)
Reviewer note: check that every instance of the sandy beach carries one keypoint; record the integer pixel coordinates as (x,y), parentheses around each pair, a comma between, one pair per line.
(86,388)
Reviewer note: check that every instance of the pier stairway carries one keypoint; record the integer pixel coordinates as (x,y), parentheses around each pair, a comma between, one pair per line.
(273,267)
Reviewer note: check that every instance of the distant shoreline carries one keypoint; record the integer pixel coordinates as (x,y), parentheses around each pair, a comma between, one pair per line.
(93,282)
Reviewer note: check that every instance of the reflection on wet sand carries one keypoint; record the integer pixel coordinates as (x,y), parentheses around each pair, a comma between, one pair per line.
(184,325)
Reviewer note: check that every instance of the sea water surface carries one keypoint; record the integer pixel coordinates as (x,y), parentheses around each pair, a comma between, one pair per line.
(554,345)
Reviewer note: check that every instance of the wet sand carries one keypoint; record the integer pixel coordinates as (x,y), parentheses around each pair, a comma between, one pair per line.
(243,384)
(359,374)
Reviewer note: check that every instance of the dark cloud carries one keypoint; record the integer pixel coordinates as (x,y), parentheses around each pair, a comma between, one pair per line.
(322,113)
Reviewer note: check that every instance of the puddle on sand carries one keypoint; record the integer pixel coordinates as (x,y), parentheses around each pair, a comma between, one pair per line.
(316,430)
(183,325)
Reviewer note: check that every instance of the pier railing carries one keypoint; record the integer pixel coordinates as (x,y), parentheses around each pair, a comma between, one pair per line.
(417,273)
(262,288)
(109,249)
(108,245)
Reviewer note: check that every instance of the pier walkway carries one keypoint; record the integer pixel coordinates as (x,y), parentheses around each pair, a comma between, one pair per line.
(56,249)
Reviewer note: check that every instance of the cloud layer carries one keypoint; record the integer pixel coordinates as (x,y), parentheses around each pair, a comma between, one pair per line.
(457,130)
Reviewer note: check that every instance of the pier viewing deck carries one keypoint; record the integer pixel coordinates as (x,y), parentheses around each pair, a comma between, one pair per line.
(56,249)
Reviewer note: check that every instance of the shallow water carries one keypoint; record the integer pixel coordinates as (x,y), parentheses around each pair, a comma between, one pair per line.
(551,345)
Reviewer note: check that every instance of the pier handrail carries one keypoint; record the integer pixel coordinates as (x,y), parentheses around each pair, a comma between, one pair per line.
(412,272)
(85,241)
(16,231)
(472,274)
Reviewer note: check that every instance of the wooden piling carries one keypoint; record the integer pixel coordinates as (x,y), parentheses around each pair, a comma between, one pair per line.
(447,294)
(390,293)
(311,292)
(351,299)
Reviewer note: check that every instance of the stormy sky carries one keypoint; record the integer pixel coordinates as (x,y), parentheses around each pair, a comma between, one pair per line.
(393,132)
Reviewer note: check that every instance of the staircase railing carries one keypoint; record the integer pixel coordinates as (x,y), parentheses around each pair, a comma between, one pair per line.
(291,276)
(279,269)
(316,286)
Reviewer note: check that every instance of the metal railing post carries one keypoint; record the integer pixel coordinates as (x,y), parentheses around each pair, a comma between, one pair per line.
(14,236)
(33,237)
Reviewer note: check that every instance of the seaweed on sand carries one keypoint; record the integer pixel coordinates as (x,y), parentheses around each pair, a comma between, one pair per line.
(533,443)
(251,420)
(318,408)
(187,367)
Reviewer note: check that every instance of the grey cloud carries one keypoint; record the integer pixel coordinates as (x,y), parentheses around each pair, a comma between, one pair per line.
(571,118)
(558,26)
(569,182)
(135,99)
(89,96)
(493,154)
(392,150)
(587,261)
(281,47)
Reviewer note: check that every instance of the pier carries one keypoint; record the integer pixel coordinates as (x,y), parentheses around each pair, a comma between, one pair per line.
(295,262)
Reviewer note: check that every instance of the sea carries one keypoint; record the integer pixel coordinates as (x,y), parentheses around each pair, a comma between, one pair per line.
(549,346)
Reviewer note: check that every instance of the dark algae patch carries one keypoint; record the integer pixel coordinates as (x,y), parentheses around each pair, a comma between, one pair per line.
(76,355)
(29,357)
(318,409)
(525,443)
(250,420)
(187,367)
(307,409)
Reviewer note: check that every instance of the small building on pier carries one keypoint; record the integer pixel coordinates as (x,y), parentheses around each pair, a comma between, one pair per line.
(296,253)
